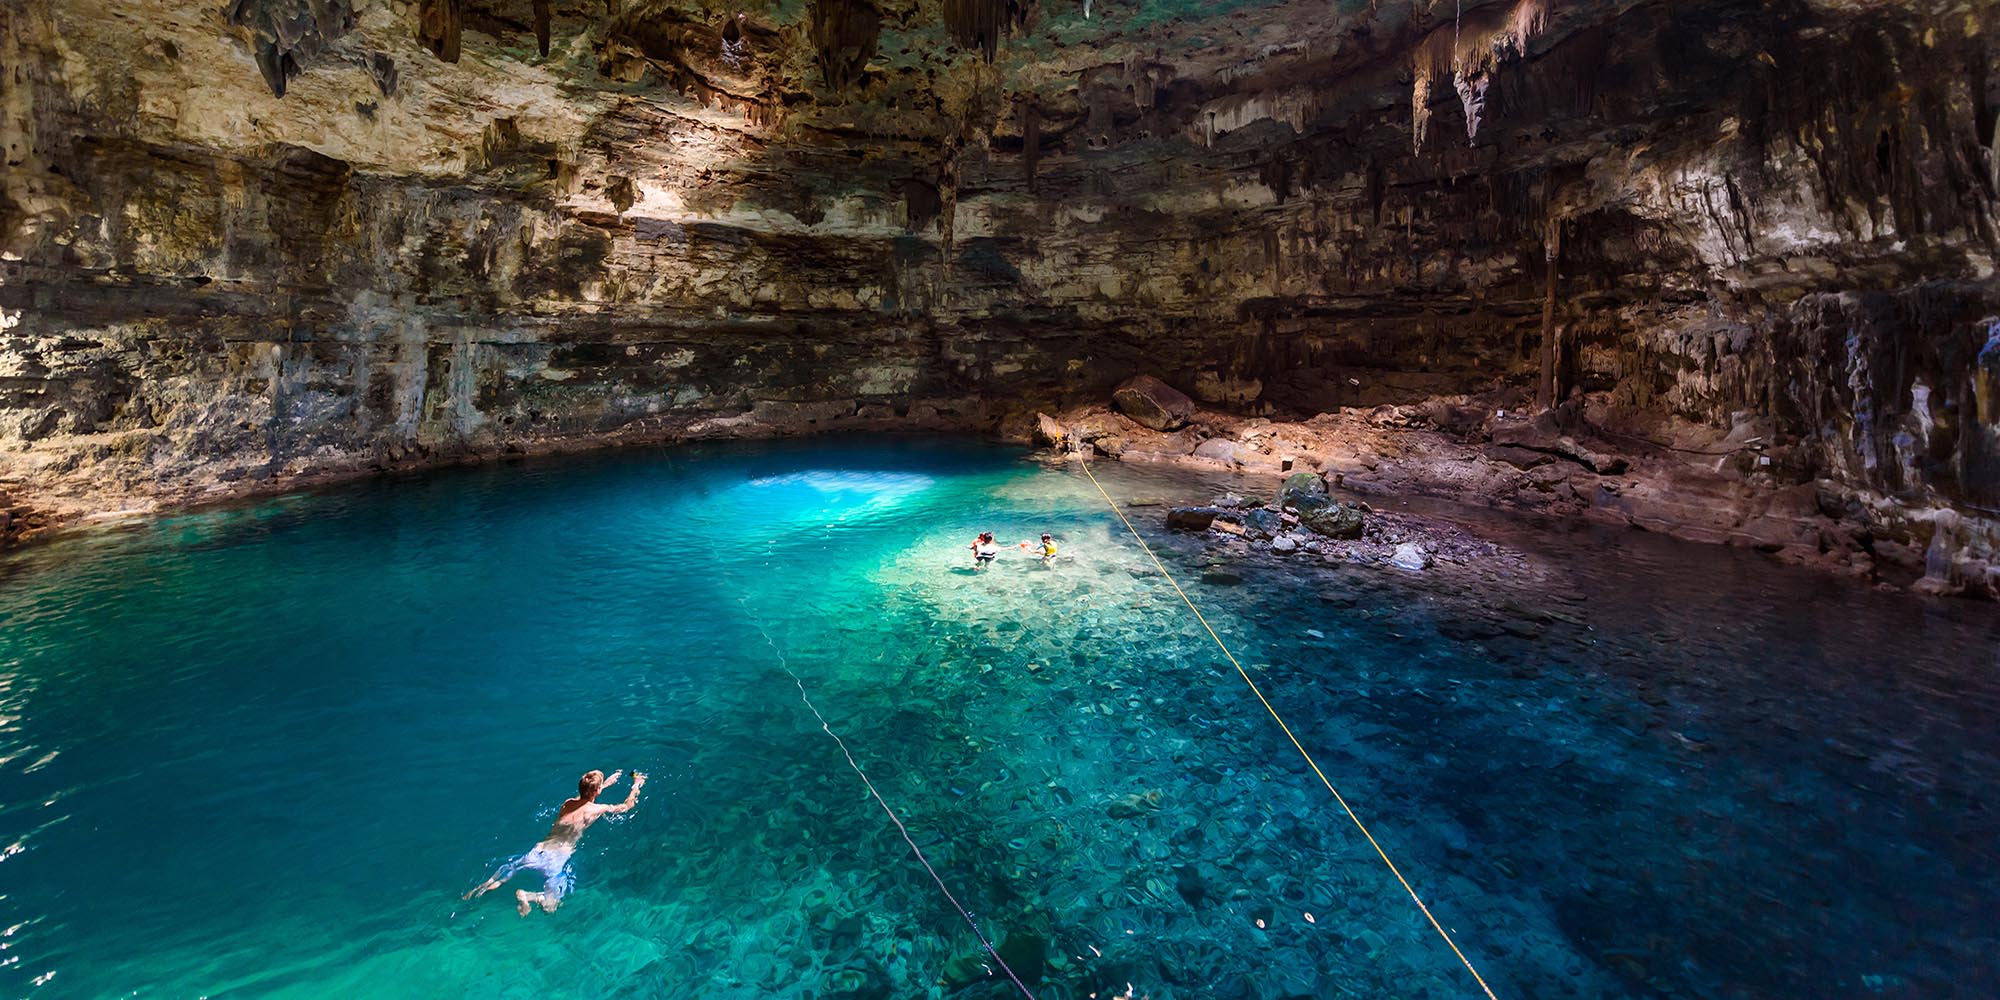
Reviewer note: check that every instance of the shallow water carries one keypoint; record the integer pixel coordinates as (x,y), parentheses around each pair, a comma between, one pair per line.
(261,751)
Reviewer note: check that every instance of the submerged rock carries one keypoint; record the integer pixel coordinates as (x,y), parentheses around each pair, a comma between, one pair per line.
(1133,805)
(1027,954)
(865,981)
(964,969)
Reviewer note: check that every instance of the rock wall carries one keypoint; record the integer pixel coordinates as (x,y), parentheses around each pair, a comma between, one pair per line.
(276,238)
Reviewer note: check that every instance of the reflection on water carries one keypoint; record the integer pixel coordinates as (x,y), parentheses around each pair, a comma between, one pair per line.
(265,749)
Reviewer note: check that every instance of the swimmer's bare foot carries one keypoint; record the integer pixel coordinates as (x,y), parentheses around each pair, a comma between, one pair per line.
(522,901)
(549,903)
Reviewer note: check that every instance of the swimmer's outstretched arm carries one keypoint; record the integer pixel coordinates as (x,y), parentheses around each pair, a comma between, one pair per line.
(615,775)
(638,782)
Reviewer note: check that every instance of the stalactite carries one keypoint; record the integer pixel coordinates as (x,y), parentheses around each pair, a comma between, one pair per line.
(1376,188)
(621,192)
(1471,56)
(1472,97)
(1274,259)
(978,24)
(1147,79)
(1986,378)
(1031,139)
(542,18)
(1547,391)
(844,34)
(948,211)
(382,69)
(1993,157)
(287,34)
(1423,68)
(439,23)
(1277,175)
(1528,20)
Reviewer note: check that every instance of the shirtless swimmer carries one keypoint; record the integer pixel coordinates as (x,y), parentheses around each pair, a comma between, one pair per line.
(551,857)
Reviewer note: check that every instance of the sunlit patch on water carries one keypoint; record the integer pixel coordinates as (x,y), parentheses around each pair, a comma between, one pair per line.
(881,486)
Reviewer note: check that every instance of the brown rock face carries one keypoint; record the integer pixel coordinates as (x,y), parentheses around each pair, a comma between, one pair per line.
(681,220)
(1153,403)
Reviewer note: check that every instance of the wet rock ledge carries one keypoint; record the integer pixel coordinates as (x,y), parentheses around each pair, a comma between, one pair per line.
(1587,458)
(1306,521)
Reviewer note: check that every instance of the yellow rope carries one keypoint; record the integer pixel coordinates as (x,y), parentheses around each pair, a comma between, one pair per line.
(1296,745)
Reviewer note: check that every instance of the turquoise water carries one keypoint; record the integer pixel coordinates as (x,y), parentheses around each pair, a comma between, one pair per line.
(262,751)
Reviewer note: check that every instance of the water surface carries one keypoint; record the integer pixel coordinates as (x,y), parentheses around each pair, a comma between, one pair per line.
(261,751)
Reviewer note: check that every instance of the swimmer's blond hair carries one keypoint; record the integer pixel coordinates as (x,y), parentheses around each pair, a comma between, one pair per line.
(590,784)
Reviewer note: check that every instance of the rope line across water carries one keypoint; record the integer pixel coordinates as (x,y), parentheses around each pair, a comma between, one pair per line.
(1296,745)
(827,728)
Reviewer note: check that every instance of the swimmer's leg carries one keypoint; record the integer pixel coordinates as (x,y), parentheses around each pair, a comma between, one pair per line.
(500,876)
(553,890)
(557,886)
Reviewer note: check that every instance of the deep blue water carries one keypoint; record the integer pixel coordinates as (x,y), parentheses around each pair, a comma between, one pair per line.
(261,751)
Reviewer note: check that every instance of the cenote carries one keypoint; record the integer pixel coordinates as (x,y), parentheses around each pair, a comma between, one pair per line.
(263,750)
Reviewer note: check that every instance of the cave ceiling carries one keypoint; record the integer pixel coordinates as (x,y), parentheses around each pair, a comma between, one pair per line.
(849,114)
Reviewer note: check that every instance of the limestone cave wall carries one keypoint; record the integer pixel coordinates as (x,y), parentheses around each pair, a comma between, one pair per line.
(269,238)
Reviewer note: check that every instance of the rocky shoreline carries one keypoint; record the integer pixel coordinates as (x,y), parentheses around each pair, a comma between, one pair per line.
(40,501)
(1310,523)
(1583,460)
(1586,459)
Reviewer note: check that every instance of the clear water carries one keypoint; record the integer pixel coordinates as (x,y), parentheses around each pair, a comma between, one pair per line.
(261,751)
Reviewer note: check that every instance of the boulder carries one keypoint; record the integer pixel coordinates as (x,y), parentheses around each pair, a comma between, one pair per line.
(1263,523)
(1153,403)
(1595,461)
(1335,520)
(1284,543)
(1536,435)
(1453,418)
(1303,491)
(1192,518)
(1220,450)
(1410,556)
(1050,431)
(1520,458)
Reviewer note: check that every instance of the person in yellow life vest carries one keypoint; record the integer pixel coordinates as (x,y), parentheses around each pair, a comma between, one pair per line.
(1048,549)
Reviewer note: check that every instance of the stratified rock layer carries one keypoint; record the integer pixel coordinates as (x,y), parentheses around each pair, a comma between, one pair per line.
(281,238)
